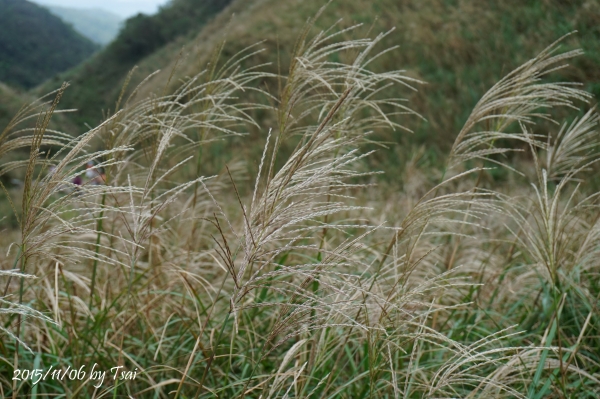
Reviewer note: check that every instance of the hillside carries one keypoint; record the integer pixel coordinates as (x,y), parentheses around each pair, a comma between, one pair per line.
(36,45)
(98,25)
(459,48)
(97,82)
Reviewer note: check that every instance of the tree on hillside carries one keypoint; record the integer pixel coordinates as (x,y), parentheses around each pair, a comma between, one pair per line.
(35,45)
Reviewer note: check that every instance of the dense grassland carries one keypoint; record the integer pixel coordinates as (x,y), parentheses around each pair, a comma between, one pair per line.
(244,244)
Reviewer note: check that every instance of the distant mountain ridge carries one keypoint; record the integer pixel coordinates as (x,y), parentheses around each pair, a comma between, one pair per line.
(123,8)
(97,82)
(100,26)
(36,45)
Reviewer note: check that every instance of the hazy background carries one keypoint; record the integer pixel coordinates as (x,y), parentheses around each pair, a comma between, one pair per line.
(123,8)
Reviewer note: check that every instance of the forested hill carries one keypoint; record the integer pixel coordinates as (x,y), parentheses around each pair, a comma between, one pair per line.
(36,45)
(97,82)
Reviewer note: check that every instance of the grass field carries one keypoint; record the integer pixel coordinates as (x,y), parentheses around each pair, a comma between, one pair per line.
(244,245)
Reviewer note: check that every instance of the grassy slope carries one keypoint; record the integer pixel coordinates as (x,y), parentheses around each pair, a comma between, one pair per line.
(459,48)
(30,56)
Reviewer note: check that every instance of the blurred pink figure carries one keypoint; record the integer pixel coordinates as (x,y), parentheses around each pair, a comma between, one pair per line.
(93,175)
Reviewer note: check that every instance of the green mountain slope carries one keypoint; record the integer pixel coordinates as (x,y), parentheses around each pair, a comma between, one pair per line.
(99,26)
(459,48)
(97,82)
(35,45)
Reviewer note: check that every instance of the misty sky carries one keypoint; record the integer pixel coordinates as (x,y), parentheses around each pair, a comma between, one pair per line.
(123,8)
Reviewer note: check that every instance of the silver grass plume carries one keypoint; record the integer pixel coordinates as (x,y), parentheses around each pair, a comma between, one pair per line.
(518,98)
